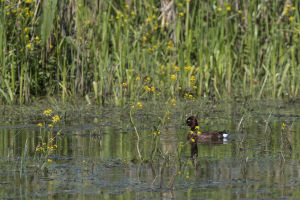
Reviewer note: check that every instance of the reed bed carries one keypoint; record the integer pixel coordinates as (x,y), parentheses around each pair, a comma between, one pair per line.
(118,51)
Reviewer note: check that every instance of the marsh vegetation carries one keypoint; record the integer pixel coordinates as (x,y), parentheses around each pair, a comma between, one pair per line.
(119,51)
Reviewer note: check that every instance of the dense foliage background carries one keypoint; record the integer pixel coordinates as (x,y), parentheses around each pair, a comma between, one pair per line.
(116,51)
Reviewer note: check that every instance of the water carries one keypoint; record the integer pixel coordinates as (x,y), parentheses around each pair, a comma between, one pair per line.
(97,156)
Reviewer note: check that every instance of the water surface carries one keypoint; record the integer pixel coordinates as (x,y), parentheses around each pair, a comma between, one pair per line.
(97,156)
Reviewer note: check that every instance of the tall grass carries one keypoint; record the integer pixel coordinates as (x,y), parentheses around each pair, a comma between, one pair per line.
(118,51)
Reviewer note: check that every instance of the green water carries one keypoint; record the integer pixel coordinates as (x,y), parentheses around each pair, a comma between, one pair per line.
(97,157)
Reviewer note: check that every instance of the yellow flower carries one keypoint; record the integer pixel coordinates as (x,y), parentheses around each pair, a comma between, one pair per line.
(190,96)
(49,160)
(179,172)
(50,125)
(84,161)
(188,68)
(176,68)
(138,78)
(40,124)
(139,104)
(173,100)
(158,132)
(37,38)
(58,133)
(55,118)
(187,1)
(192,140)
(168,112)
(181,14)
(199,133)
(88,22)
(195,87)
(228,8)
(144,38)
(154,133)
(283,126)
(147,88)
(179,5)
(291,18)
(219,9)
(192,79)
(28,45)
(47,112)
(152,88)
(124,84)
(127,6)
(240,11)
(132,107)
(187,176)
(148,79)
(293,8)
(191,132)
(179,87)
(173,77)
(132,13)
(197,127)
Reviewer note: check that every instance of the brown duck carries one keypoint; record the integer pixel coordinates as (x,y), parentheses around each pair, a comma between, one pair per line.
(207,137)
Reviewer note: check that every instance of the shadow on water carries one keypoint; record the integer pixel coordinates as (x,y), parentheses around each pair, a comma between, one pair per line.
(95,155)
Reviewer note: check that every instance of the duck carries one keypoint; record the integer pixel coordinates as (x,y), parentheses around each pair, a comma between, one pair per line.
(207,137)
(201,137)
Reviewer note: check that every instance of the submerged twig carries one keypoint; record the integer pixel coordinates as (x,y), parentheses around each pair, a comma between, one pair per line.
(137,135)
(239,125)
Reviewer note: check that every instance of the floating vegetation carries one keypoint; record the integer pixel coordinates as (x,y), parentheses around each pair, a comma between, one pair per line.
(47,144)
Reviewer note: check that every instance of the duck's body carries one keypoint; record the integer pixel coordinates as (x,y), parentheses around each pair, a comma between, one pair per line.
(207,136)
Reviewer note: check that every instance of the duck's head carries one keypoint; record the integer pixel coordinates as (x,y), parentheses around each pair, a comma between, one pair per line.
(192,122)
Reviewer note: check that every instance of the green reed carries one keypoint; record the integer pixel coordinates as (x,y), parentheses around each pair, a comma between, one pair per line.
(115,51)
